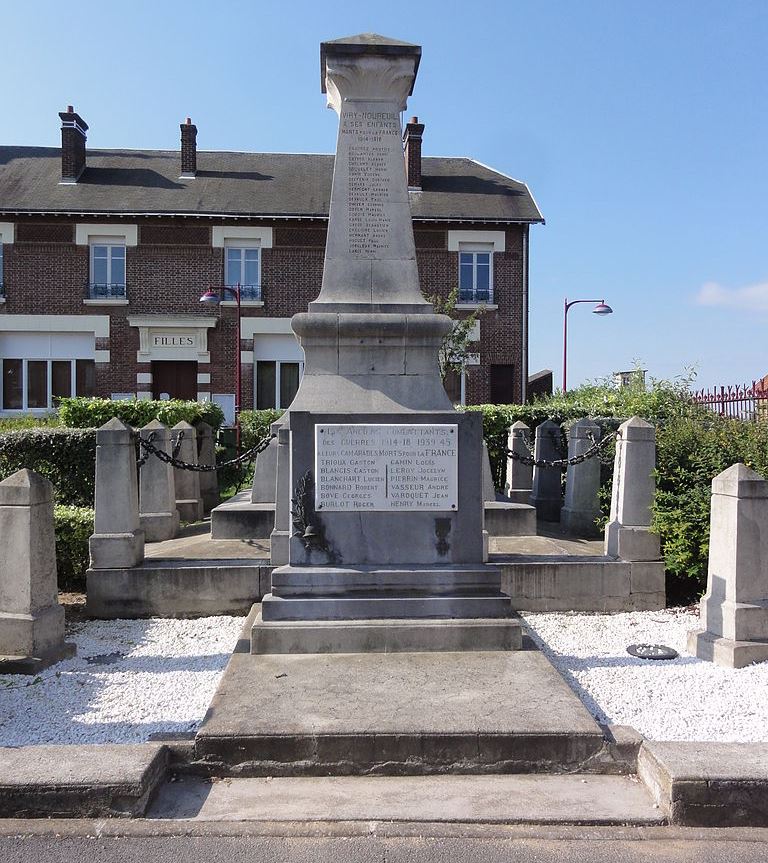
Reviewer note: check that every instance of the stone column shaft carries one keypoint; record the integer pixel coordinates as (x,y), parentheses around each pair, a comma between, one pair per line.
(546,494)
(582,482)
(519,478)
(209,480)
(734,610)
(627,534)
(117,541)
(31,619)
(189,501)
(158,515)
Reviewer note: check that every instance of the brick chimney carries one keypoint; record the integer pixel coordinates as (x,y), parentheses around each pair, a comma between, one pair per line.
(73,129)
(412,137)
(188,150)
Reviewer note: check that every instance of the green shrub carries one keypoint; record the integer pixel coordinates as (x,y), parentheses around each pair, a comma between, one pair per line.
(254,425)
(67,457)
(690,452)
(94,412)
(28,421)
(73,526)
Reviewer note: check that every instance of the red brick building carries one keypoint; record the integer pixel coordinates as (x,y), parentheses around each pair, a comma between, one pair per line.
(104,255)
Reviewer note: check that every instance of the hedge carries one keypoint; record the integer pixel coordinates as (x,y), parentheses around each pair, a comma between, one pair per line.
(94,412)
(73,526)
(67,457)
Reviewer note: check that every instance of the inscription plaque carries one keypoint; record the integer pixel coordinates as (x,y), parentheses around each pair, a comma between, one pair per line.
(369,136)
(386,467)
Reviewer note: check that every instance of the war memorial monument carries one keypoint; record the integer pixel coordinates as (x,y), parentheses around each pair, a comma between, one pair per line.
(379,504)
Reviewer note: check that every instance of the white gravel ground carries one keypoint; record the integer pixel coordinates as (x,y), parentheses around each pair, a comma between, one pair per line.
(148,676)
(681,699)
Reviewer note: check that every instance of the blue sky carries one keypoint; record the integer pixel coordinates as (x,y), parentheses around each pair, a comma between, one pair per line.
(640,127)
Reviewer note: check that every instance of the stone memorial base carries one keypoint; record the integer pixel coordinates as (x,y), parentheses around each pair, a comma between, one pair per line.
(159,526)
(35,640)
(725,651)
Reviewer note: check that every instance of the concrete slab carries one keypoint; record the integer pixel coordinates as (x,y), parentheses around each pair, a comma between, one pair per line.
(80,781)
(395,713)
(708,784)
(194,543)
(507,518)
(529,799)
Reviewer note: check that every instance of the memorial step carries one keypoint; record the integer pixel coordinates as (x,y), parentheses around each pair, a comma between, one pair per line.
(385,607)
(384,636)
(371,580)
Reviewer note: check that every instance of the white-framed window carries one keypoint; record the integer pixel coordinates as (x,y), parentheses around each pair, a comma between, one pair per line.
(35,384)
(107,279)
(476,274)
(277,382)
(242,266)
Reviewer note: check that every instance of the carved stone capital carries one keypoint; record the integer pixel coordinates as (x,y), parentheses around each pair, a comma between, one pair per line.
(369,78)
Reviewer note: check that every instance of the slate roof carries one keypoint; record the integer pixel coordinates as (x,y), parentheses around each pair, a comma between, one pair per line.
(245,185)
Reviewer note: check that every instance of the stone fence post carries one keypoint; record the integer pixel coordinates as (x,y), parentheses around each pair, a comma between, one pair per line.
(519,476)
(31,619)
(189,502)
(158,516)
(546,494)
(627,534)
(117,541)
(582,482)
(734,610)
(206,453)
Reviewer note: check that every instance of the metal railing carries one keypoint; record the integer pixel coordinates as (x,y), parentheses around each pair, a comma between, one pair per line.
(476,296)
(747,402)
(248,293)
(112,291)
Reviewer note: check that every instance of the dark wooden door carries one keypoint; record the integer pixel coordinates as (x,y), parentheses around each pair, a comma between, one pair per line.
(502,384)
(177,378)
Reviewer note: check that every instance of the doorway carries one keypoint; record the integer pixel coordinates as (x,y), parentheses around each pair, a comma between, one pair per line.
(176,379)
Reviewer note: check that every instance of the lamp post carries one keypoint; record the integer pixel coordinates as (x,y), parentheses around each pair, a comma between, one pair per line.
(214,296)
(600,309)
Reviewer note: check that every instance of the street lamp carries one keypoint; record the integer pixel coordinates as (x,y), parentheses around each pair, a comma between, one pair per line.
(600,309)
(214,296)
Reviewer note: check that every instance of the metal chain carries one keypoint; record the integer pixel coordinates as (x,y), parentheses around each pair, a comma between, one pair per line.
(172,459)
(564,462)
(143,460)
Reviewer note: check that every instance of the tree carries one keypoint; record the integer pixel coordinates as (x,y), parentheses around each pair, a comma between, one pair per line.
(455,345)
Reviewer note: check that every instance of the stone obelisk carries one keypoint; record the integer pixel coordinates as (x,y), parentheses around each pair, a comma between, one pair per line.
(379,510)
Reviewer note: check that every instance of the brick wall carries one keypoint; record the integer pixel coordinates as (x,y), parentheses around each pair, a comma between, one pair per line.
(173,264)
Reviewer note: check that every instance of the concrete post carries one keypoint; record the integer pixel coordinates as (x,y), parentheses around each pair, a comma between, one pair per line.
(189,502)
(546,494)
(265,475)
(582,482)
(117,541)
(489,487)
(627,534)
(519,476)
(158,516)
(734,610)
(209,480)
(31,619)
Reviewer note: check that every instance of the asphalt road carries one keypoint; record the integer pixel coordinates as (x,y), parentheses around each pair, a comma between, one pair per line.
(493,845)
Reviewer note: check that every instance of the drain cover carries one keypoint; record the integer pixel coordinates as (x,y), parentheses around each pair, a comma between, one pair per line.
(104,659)
(652,651)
